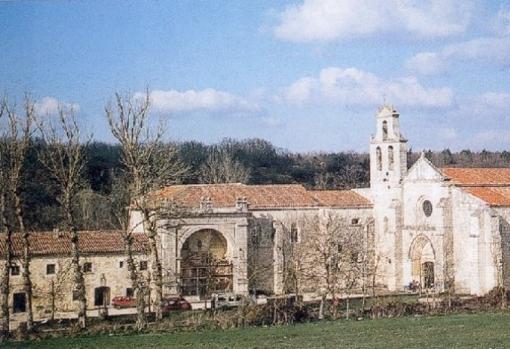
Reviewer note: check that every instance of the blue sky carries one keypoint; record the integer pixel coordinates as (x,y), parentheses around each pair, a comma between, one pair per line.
(306,75)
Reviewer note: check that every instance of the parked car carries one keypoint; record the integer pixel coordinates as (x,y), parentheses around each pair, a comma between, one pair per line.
(227,300)
(175,304)
(119,302)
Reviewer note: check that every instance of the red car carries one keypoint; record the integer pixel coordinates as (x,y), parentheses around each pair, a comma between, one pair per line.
(175,303)
(123,302)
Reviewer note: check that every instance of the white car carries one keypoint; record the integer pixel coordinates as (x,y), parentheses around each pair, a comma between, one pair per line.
(227,300)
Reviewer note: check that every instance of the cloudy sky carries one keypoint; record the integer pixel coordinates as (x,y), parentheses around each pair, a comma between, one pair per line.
(306,75)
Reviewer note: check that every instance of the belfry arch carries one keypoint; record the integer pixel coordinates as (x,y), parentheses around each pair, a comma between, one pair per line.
(423,261)
(205,264)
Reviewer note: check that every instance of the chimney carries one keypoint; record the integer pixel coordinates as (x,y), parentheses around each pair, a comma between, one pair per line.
(242,204)
(57,233)
(206,204)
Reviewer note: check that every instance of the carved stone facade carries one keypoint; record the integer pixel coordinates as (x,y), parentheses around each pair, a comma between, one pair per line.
(446,228)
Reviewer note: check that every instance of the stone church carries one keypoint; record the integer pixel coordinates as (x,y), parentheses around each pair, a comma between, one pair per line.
(440,228)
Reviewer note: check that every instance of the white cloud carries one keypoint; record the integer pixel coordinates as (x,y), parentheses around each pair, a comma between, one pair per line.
(426,63)
(301,90)
(488,50)
(352,86)
(50,105)
(326,20)
(207,100)
(489,107)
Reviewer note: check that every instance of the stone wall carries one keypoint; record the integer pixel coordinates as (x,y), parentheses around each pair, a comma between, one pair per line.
(504,231)
(261,267)
(53,293)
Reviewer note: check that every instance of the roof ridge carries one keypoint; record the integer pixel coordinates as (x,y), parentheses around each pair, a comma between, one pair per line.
(475,168)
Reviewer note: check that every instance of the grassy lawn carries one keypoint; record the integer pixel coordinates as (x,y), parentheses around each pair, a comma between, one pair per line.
(484,330)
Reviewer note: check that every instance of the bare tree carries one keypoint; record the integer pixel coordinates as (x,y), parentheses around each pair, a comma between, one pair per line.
(15,144)
(18,142)
(220,167)
(65,160)
(7,241)
(149,165)
(331,252)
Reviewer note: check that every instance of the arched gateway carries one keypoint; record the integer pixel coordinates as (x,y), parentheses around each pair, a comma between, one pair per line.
(205,265)
(422,257)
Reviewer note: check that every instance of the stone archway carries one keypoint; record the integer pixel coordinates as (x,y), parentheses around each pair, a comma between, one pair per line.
(422,256)
(205,265)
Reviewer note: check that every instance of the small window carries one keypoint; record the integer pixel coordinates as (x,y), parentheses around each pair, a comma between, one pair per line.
(76,295)
(385,130)
(143,265)
(199,245)
(355,221)
(130,292)
(15,270)
(378,158)
(391,159)
(19,302)
(294,233)
(50,269)
(121,264)
(87,267)
(339,248)
(427,208)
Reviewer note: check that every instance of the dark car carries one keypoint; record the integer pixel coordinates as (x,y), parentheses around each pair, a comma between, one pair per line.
(175,303)
(123,302)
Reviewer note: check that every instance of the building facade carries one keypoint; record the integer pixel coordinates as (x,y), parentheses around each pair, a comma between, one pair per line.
(444,229)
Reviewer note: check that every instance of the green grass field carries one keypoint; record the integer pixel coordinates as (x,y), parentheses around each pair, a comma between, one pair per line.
(484,330)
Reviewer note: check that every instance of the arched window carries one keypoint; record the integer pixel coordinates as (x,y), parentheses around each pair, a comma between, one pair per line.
(384,130)
(379,158)
(427,208)
(385,224)
(390,157)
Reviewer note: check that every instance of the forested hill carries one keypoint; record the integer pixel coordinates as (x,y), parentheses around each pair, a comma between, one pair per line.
(252,161)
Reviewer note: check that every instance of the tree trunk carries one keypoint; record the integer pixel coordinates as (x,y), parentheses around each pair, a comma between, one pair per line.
(347,307)
(157,275)
(53,295)
(79,282)
(5,281)
(27,282)
(4,287)
(141,321)
(157,271)
(321,307)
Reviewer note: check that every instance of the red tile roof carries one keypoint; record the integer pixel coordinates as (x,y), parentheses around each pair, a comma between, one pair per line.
(341,199)
(96,242)
(260,196)
(478,176)
(491,185)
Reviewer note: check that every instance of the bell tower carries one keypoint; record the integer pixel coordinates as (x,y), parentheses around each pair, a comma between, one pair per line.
(388,167)
(388,151)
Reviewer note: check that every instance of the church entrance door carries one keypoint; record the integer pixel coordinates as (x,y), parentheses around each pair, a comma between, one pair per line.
(427,272)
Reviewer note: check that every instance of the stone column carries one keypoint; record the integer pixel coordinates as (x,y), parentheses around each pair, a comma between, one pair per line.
(240,258)
(448,270)
(399,255)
